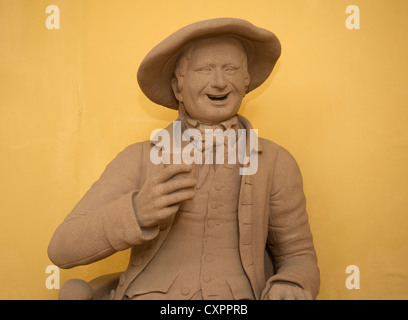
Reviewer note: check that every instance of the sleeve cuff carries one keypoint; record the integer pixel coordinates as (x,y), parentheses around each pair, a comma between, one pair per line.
(121,227)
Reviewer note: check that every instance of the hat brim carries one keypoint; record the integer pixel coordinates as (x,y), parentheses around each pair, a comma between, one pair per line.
(155,73)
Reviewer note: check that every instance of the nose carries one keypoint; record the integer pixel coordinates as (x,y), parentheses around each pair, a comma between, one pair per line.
(219,80)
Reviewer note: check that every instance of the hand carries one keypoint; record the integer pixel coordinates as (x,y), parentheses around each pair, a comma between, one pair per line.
(287,291)
(162,193)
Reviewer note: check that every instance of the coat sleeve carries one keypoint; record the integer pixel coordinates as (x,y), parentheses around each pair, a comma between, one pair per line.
(289,238)
(104,221)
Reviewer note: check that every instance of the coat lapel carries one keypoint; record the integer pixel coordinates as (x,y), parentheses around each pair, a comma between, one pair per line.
(246,212)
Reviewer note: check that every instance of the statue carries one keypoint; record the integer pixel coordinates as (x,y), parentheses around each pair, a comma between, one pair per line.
(199,226)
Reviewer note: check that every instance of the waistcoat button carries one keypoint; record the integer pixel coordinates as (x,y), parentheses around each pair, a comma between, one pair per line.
(211,223)
(217,186)
(185,291)
(208,258)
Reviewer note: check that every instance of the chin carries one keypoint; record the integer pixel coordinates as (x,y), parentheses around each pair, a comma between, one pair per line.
(215,119)
(213,114)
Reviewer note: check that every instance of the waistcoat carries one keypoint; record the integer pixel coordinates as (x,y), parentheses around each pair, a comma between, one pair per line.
(200,257)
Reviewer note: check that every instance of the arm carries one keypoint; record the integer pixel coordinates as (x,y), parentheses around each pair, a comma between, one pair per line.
(104,220)
(289,237)
(122,209)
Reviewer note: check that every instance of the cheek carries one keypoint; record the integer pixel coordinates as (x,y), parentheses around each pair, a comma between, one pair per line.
(187,93)
(195,84)
(239,84)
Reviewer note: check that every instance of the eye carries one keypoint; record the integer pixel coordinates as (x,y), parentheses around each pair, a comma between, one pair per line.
(230,69)
(204,70)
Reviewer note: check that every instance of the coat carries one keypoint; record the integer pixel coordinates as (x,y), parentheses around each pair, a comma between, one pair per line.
(275,241)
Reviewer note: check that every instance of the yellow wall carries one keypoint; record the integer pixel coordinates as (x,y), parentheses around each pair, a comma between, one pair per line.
(338,100)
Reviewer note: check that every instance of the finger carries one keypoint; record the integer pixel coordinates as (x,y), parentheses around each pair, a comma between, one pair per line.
(299,294)
(155,218)
(172,170)
(308,295)
(288,293)
(168,211)
(178,184)
(176,197)
(274,293)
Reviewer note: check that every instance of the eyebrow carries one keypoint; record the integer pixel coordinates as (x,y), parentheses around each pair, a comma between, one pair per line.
(232,65)
(212,64)
(205,64)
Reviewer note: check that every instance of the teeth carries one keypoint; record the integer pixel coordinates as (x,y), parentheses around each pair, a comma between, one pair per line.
(217,97)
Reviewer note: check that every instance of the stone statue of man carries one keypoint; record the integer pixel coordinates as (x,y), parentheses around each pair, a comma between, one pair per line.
(207,229)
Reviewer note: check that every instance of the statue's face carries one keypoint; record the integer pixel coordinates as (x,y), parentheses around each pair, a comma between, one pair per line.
(214,80)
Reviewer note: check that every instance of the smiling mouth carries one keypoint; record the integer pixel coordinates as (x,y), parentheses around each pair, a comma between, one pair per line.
(217,97)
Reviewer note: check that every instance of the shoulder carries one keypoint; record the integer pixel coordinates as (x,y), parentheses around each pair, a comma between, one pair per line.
(287,180)
(279,159)
(135,149)
(275,150)
(131,158)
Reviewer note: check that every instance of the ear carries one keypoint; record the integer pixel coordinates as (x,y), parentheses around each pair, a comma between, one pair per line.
(247,82)
(176,89)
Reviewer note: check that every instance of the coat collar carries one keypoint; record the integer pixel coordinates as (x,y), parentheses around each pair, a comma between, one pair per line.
(242,122)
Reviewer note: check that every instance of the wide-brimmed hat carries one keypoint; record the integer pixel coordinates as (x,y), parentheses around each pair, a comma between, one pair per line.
(156,70)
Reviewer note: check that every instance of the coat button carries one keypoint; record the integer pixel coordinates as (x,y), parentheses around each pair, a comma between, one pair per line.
(207,279)
(214,205)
